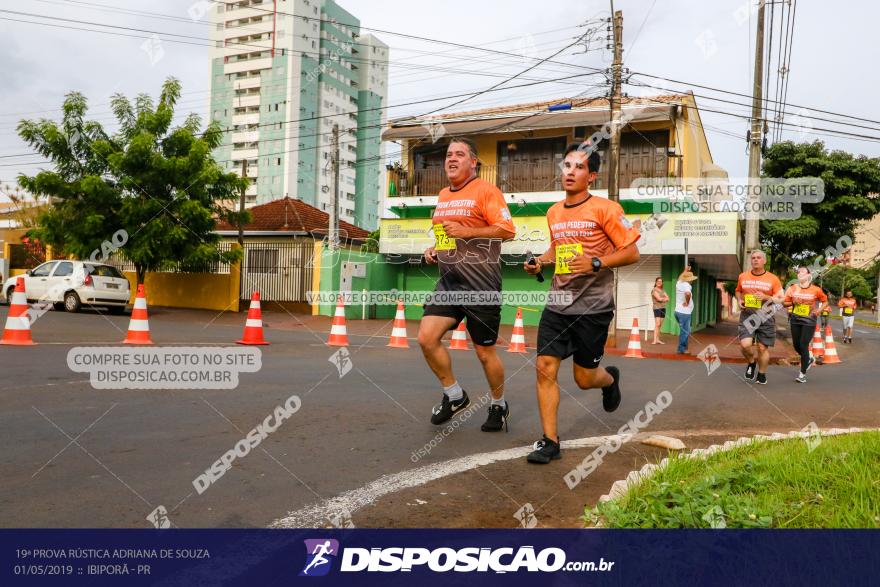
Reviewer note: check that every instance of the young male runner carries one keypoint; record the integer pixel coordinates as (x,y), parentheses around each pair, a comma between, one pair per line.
(806,302)
(589,236)
(757,291)
(470,221)
(848,305)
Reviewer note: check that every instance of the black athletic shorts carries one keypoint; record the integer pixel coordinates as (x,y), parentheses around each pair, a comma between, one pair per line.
(482,321)
(660,313)
(581,335)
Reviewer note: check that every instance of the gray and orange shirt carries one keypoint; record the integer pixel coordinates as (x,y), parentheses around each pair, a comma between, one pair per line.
(470,264)
(596,227)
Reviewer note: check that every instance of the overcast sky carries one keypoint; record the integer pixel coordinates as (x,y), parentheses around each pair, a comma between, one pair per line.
(833,65)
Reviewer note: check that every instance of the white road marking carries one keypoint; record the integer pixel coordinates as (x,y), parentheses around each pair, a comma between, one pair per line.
(317,515)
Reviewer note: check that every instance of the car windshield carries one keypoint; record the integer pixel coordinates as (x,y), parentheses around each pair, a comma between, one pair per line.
(103,271)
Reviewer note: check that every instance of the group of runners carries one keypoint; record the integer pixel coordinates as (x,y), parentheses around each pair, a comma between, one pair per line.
(589,236)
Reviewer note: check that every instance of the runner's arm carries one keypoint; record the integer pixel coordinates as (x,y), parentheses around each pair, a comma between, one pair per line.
(621,257)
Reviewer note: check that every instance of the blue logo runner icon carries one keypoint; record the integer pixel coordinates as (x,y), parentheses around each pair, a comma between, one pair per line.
(318,553)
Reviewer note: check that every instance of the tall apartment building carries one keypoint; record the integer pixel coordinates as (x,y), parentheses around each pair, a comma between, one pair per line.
(283,73)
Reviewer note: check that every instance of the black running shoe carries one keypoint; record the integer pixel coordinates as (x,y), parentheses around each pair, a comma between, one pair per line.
(545,451)
(443,412)
(497,418)
(762,379)
(751,370)
(611,394)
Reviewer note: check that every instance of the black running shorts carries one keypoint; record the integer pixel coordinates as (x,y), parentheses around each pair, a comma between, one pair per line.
(482,321)
(581,335)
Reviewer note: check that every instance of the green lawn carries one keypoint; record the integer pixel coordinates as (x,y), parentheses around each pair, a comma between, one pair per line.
(767,484)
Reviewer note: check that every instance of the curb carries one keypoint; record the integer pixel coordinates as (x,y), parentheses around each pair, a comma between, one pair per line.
(621,487)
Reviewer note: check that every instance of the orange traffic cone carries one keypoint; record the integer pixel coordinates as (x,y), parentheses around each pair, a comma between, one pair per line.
(818,345)
(830,350)
(338,333)
(634,348)
(459,339)
(518,338)
(253,327)
(18,323)
(398,330)
(139,326)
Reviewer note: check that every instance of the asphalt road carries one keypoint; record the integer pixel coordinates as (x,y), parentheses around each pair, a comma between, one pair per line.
(76,456)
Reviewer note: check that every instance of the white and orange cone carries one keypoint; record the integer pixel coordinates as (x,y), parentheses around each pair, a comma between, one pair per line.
(253,327)
(518,338)
(830,350)
(398,330)
(139,325)
(338,333)
(459,339)
(18,323)
(634,348)
(818,346)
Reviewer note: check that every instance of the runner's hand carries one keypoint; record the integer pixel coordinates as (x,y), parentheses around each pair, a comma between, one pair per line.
(454,229)
(430,256)
(581,264)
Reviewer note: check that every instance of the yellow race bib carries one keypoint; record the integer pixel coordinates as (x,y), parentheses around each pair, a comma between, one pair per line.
(802,310)
(751,301)
(444,241)
(847,311)
(564,253)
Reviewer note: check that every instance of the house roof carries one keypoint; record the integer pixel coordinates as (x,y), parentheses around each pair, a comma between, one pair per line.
(289,215)
(534,115)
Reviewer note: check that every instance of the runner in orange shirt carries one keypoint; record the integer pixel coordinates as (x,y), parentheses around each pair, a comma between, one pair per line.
(848,305)
(470,221)
(757,292)
(806,302)
(589,236)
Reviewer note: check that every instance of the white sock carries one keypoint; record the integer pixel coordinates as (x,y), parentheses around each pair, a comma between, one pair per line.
(454,392)
(499,402)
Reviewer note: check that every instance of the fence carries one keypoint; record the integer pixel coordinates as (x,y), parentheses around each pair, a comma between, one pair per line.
(123,263)
(280,271)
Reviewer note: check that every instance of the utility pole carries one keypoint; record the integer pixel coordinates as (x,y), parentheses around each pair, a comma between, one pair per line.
(755,138)
(244,174)
(614,146)
(333,232)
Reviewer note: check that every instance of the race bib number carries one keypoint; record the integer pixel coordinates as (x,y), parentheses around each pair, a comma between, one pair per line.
(802,310)
(847,311)
(564,253)
(751,301)
(444,241)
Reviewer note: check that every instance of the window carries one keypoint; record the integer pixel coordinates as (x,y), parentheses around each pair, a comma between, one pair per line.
(262,261)
(64,269)
(43,270)
(103,271)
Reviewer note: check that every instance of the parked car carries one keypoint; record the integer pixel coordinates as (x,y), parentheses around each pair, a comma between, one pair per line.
(73,284)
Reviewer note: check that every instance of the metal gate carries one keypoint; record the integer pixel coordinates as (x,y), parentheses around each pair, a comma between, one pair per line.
(281,272)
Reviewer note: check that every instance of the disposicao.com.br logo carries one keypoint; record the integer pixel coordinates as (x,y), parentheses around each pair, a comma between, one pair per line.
(442,560)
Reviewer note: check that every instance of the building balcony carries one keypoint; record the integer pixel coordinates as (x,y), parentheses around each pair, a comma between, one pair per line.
(247,100)
(247,65)
(246,136)
(247,83)
(238,119)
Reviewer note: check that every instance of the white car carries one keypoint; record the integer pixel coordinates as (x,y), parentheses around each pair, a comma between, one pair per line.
(73,284)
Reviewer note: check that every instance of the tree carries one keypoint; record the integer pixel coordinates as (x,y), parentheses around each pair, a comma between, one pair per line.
(852,185)
(156,182)
(838,279)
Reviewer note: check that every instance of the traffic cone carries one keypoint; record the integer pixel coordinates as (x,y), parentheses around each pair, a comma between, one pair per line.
(518,338)
(139,326)
(338,333)
(818,346)
(830,350)
(253,327)
(398,330)
(459,339)
(634,348)
(18,323)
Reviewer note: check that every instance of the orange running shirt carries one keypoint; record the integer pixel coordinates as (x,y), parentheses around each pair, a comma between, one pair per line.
(470,264)
(594,228)
(804,300)
(749,284)
(848,305)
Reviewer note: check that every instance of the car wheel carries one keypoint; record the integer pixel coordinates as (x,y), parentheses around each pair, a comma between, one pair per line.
(9,293)
(58,306)
(71,302)
(116,310)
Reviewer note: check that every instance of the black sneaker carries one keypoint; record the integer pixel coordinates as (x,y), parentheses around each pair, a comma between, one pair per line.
(497,418)
(545,451)
(447,409)
(751,370)
(611,394)
(762,379)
